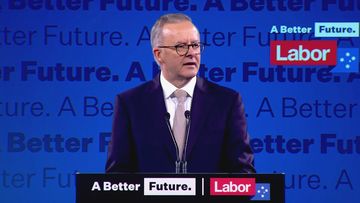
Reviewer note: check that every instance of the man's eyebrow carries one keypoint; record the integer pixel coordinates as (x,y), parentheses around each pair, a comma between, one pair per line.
(182,42)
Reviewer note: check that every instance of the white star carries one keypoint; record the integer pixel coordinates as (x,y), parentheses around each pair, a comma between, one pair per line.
(341,59)
(347,66)
(347,54)
(353,58)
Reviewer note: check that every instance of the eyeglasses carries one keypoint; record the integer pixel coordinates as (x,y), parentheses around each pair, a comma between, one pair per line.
(183,49)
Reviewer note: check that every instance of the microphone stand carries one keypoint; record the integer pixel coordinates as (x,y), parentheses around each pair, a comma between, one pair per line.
(178,161)
(180,165)
(188,122)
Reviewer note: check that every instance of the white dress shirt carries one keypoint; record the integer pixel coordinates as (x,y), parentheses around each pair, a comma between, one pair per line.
(171,102)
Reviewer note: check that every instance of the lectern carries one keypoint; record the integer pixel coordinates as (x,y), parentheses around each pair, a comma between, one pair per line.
(185,188)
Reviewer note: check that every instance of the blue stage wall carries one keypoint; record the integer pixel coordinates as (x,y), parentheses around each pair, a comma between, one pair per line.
(54,125)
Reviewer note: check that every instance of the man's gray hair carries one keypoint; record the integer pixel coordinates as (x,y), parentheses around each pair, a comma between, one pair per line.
(156,30)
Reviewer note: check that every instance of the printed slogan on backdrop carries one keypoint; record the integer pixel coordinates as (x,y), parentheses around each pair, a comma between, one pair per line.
(295,63)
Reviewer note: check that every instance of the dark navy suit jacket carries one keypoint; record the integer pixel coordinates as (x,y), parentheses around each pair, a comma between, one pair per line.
(218,139)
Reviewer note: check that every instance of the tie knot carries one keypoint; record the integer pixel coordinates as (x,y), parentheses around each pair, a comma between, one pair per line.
(180,95)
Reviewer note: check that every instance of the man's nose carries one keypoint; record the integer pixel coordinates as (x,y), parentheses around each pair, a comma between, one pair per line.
(192,51)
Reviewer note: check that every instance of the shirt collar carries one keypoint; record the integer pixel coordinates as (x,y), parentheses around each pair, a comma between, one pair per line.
(169,88)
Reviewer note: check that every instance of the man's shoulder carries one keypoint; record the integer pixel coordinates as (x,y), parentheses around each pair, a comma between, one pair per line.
(216,89)
(139,90)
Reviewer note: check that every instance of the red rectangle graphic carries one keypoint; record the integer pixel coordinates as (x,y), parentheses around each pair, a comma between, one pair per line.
(232,186)
(303,52)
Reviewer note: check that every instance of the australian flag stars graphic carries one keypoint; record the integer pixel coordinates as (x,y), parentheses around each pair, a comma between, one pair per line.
(347,60)
(262,191)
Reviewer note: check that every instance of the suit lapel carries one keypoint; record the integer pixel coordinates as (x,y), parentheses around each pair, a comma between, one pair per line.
(199,110)
(158,112)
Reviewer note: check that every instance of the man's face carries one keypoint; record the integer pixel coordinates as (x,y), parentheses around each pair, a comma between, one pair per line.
(173,66)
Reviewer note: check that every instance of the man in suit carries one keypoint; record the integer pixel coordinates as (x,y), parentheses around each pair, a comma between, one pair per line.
(179,122)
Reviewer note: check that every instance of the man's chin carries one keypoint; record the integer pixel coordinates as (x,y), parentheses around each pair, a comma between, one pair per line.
(189,74)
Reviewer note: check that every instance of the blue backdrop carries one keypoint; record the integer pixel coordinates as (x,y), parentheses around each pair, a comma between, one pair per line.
(63,62)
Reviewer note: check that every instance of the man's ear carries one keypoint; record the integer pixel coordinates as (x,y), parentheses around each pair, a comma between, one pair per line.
(157,55)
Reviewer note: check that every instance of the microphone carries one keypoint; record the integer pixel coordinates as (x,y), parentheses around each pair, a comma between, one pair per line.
(188,122)
(177,162)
